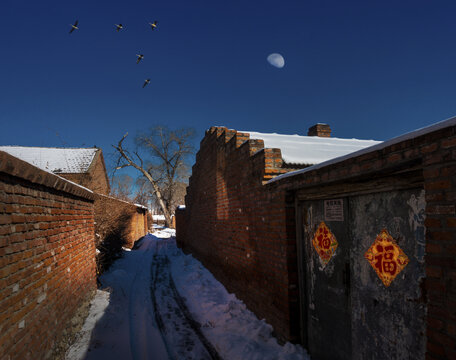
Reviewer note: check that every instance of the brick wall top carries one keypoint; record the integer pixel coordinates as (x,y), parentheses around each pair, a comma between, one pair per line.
(140,208)
(21,169)
(232,140)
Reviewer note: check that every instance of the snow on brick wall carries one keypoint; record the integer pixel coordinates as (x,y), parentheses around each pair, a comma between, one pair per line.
(47,257)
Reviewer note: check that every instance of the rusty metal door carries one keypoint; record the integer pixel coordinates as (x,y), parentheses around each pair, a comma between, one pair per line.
(327,310)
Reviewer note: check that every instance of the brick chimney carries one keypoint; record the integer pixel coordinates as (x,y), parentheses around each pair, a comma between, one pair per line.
(321,130)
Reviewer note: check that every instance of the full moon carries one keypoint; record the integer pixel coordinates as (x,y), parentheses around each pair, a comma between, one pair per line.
(276,60)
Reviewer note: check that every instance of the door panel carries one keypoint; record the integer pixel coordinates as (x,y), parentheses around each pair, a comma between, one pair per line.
(388,322)
(328,287)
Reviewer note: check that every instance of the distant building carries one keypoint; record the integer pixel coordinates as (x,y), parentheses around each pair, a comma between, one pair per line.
(84,166)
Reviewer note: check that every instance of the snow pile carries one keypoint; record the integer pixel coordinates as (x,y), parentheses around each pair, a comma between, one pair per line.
(165,233)
(235,332)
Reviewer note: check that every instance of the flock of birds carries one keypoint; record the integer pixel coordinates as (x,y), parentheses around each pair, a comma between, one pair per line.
(119,27)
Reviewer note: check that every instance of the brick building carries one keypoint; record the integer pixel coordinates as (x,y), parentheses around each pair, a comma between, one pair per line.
(84,166)
(357,251)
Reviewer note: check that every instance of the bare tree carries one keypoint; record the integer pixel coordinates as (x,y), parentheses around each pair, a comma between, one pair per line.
(144,191)
(122,186)
(178,197)
(165,167)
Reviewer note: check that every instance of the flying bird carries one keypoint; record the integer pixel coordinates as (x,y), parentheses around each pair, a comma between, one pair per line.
(74,26)
(153,25)
(140,57)
(146,83)
(119,27)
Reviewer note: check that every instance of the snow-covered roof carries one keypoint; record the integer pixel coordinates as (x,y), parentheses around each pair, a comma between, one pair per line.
(407,136)
(141,206)
(56,160)
(158,217)
(309,150)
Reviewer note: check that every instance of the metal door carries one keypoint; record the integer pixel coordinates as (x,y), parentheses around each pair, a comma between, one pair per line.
(349,309)
(326,312)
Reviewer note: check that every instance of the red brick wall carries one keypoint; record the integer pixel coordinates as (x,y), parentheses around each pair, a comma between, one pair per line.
(47,257)
(138,226)
(439,158)
(238,229)
(120,217)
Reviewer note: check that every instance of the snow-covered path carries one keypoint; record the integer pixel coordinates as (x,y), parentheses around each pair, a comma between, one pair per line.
(127,329)
(159,303)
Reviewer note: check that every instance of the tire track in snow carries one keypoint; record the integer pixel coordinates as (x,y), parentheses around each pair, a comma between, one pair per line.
(140,308)
(192,322)
(181,333)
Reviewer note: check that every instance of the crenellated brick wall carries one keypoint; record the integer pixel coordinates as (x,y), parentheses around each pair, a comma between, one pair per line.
(238,229)
(47,258)
(243,228)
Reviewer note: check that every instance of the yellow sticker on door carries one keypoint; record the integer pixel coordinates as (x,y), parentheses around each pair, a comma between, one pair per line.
(324,242)
(386,257)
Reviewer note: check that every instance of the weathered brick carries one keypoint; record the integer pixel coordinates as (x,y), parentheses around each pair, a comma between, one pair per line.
(429,148)
(434,349)
(441,338)
(432,222)
(437,185)
(441,209)
(394,158)
(442,235)
(433,248)
(434,271)
(431,173)
(447,143)
(5,219)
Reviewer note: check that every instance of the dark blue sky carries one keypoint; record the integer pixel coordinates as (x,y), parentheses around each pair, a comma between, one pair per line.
(370,69)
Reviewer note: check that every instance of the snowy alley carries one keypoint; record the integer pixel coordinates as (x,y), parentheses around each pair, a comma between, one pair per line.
(158,303)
